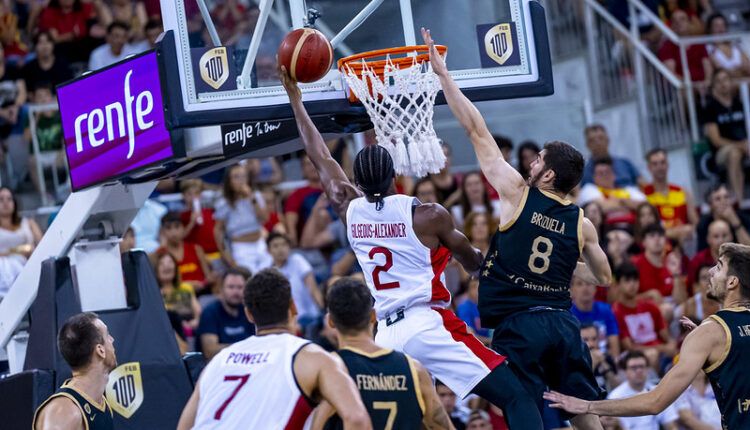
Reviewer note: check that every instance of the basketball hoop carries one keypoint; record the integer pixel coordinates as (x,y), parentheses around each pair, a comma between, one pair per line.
(398,92)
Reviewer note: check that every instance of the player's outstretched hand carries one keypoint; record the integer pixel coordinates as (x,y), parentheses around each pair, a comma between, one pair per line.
(567,403)
(290,85)
(687,323)
(436,60)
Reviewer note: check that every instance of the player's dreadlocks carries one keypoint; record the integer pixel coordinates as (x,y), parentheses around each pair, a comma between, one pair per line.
(373,173)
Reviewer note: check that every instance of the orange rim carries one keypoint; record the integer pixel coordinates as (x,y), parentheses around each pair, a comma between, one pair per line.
(354,62)
(378,66)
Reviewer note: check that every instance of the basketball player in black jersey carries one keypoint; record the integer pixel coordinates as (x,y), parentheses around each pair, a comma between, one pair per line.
(395,388)
(524,285)
(86,345)
(720,346)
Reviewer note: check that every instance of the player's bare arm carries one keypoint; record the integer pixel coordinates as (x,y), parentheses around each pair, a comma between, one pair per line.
(321,415)
(596,270)
(335,183)
(434,416)
(60,414)
(323,376)
(702,346)
(187,419)
(503,177)
(435,227)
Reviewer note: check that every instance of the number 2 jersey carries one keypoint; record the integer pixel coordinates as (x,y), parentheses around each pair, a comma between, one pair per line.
(251,385)
(531,259)
(399,269)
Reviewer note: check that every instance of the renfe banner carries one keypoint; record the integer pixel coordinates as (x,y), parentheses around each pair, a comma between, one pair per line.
(113,121)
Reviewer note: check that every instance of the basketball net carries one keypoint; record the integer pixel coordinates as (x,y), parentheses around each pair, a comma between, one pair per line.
(401,112)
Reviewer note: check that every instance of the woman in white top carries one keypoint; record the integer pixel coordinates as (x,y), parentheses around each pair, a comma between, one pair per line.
(240,215)
(18,237)
(726,55)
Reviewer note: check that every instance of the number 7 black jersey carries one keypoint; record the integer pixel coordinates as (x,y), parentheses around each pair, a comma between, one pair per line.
(531,258)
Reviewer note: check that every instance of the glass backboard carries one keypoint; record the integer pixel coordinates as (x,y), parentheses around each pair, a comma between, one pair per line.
(223,69)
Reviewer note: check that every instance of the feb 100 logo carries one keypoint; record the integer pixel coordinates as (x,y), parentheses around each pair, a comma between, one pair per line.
(125,389)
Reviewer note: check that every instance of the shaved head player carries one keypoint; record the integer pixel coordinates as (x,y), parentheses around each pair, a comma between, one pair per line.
(403,246)
(524,288)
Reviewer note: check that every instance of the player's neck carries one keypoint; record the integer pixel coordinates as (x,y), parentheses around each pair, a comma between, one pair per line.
(549,189)
(361,341)
(92,382)
(735,300)
(274,329)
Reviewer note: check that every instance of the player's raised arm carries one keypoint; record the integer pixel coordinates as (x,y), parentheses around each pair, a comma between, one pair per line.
(503,177)
(436,221)
(695,351)
(597,270)
(335,183)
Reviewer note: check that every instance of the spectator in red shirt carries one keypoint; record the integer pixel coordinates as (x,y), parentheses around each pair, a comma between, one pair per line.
(660,273)
(198,220)
(719,233)
(699,65)
(67,21)
(642,327)
(299,204)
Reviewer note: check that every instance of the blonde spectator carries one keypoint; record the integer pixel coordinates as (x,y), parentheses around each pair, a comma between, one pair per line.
(133,14)
(178,296)
(18,238)
(478,228)
(474,198)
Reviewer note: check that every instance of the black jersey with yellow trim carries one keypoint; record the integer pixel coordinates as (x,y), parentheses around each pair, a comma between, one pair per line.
(531,258)
(389,386)
(95,415)
(729,376)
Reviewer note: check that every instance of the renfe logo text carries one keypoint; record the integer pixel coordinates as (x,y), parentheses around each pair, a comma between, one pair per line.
(98,121)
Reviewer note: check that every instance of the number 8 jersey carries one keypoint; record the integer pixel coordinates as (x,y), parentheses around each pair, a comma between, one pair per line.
(399,269)
(532,257)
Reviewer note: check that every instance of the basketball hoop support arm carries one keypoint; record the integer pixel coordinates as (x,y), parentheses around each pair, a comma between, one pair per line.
(407,21)
(243,81)
(209,23)
(356,22)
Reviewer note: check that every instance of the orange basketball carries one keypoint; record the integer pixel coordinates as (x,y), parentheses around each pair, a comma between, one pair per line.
(306,54)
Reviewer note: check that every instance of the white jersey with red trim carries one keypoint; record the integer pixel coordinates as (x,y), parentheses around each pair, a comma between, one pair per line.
(251,385)
(399,269)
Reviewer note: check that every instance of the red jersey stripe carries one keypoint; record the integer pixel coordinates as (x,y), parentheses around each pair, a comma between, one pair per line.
(302,410)
(439,258)
(460,333)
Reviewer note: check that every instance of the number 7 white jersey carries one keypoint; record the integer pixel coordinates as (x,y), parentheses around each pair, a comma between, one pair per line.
(399,269)
(251,385)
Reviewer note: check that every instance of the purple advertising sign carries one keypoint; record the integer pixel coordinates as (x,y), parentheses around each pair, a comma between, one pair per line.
(113,121)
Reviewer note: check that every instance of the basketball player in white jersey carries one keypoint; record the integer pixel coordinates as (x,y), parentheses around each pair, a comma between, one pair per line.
(403,247)
(272,380)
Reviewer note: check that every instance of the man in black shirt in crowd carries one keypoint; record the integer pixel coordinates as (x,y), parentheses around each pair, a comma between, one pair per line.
(47,66)
(725,128)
